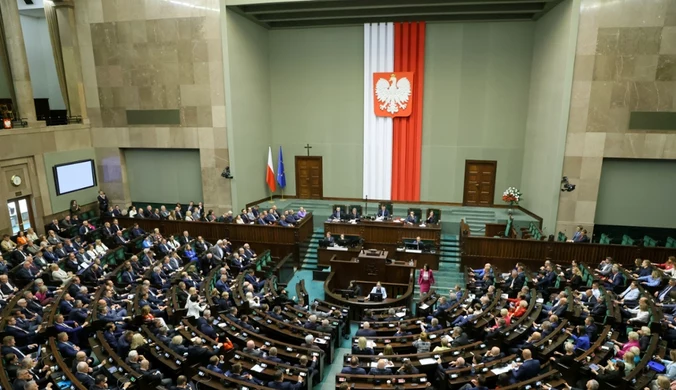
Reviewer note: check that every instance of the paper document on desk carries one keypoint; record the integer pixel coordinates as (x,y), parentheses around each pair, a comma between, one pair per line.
(257,368)
(427,361)
(370,344)
(424,306)
(498,371)
(379,219)
(413,251)
(400,314)
(336,248)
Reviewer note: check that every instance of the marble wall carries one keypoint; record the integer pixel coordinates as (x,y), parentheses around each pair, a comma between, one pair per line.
(625,61)
(155,54)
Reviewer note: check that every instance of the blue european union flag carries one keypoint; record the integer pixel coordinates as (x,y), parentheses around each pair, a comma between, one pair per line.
(281,178)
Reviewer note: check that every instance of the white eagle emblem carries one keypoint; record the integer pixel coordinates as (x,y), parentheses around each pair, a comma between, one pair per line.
(393,95)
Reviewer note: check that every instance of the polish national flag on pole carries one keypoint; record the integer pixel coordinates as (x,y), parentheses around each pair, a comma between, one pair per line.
(270,174)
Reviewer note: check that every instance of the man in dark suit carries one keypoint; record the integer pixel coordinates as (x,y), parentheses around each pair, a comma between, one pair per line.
(354,215)
(136,231)
(185,238)
(65,347)
(329,240)
(418,244)
(119,238)
(353,368)
(411,219)
(383,212)
(279,383)
(583,238)
(18,255)
(83,376)
(24,275)
(337,214)
(528,369)
(548,280)
(366,331)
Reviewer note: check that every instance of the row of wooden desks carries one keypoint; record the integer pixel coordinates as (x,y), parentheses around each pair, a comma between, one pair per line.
(325,254)
(389,236)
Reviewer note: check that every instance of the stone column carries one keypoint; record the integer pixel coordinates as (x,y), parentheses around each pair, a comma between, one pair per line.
(71,57)
(18,62)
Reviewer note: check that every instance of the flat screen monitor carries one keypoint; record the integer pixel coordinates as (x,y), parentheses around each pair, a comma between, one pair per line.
(74,176)
(376,297)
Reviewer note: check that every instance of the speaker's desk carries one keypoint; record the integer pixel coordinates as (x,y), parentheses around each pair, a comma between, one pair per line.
(384,232)
(397,279)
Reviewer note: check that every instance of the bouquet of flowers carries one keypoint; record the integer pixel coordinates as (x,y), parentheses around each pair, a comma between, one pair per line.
(511,195)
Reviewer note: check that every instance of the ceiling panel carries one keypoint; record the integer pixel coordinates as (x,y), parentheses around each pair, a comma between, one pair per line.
(349,12)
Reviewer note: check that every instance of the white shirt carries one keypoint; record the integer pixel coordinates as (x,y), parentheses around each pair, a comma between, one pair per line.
(194,308)
(374,290)
(101,249)
(641,316)
(596,292)
(630,295)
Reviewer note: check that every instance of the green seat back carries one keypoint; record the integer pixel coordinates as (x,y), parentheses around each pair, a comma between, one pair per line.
(649,242)
(342,208)
(671,242)
(562,237)
(604,239)
(626,240)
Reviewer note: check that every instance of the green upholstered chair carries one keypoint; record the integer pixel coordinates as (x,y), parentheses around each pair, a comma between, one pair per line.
(649,241)
(354,206)
(561,237)
(671,242)
(416,211)
(605,239)
(342,208)
(626,240)
(508,227)
(437,213)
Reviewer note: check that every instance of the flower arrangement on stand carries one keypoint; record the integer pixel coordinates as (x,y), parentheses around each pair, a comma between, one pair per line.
(513,196)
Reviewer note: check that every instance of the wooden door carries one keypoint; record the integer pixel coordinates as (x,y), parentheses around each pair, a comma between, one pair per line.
(309,180)
(479,183)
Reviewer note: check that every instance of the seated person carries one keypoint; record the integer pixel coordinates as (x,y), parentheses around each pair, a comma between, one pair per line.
(527,369)
(353,368)
(354,215)
(383,212)
(411,219)
(381,368)
(337,214)
(378,289)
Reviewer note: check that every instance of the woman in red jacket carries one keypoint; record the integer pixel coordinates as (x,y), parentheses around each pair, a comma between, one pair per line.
(425,279)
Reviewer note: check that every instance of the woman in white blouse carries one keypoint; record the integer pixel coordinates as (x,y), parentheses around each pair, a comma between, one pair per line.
(254,302)
(100,248)
(132,212)
(194,307)
(30,234)
(91,251)
(239,220)
(641,312)
(59,274)
(173,244)
(188,216)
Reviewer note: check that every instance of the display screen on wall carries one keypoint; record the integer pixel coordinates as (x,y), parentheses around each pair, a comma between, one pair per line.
(74,176)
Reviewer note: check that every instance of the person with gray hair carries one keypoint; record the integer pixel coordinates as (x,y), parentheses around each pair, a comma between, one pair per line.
(83,376)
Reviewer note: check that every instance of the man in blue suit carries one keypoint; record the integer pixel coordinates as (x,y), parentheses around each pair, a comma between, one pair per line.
(383,212)
(548,280)
(66,348)
(136,231)
(528,369)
